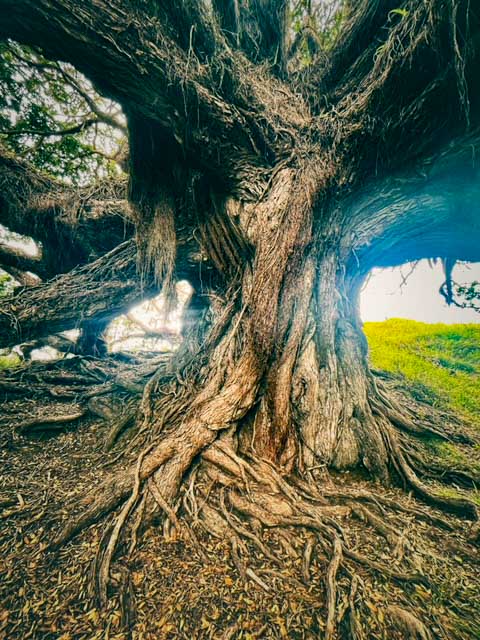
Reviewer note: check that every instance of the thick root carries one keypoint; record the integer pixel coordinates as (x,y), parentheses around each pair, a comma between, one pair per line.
(331,581)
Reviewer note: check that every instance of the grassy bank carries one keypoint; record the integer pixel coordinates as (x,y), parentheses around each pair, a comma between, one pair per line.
(443,361)
(441,364)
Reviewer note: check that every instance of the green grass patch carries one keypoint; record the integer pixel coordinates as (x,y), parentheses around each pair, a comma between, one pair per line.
(440,362)
(441,366)
(7,362)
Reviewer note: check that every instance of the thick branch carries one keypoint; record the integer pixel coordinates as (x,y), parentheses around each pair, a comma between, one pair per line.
(12,257)
(72,226)
(383,84)
(96,292)
(432,212)
(257,27)
(101,289)
(47,133)
(187,79)
(25,278)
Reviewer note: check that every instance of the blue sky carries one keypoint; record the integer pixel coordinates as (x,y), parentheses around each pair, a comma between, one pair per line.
(383,296)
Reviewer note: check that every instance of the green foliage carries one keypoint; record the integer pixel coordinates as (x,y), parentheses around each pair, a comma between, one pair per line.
(6,284)
(441,362)
(40,102)
(441,366)
(468,295)
(9,361)
(316,26)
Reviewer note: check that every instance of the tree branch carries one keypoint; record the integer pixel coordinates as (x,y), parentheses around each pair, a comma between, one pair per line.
(191,85)
(47,133)
(24,278)
(430,212)
(50,69)
(12,257)
(257,27)
(96,292)
(99,290)
(72,225)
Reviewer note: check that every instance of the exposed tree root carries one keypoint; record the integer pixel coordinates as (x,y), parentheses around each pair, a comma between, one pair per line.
(248,502)
(193,469)
(459,506)
(408,624)
(104,569)
(42,423)
(281,506)
(307,556)
(377,523)
(332,587)
(118,426)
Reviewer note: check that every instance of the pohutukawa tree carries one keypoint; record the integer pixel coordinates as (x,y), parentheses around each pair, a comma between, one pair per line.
(274,184)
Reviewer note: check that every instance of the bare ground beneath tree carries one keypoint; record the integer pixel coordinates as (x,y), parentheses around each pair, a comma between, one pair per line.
(169,588)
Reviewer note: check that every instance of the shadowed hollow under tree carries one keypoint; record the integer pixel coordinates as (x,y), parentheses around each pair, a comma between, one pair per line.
(273,170)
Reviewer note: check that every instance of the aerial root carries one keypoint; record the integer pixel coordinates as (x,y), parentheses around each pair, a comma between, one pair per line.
(140,510)
(279,512)
(110,496)
(410,464)
(117,488)
(240,530)
(406,424)
(289,549)
(383,569)
(237,561)
(383,503)
(242,568)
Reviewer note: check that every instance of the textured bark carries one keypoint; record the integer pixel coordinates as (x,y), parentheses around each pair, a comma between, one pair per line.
(99,290)
(14,258)
(267,183)
(91,341)
(72,226)
(89,296)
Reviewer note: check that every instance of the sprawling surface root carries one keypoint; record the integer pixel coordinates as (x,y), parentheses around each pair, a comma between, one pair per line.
(352,538)
(187,466)
(242,498)
(247,501)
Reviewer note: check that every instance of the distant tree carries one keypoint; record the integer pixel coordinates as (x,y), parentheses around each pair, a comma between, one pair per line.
(51,117)
(468,295)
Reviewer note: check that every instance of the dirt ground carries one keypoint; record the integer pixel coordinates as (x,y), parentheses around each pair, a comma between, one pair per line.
(166,589)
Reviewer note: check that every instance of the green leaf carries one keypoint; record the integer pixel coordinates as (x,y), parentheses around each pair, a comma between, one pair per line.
(399,12)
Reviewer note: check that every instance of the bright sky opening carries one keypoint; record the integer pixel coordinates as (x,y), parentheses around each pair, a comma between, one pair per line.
(386,295)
